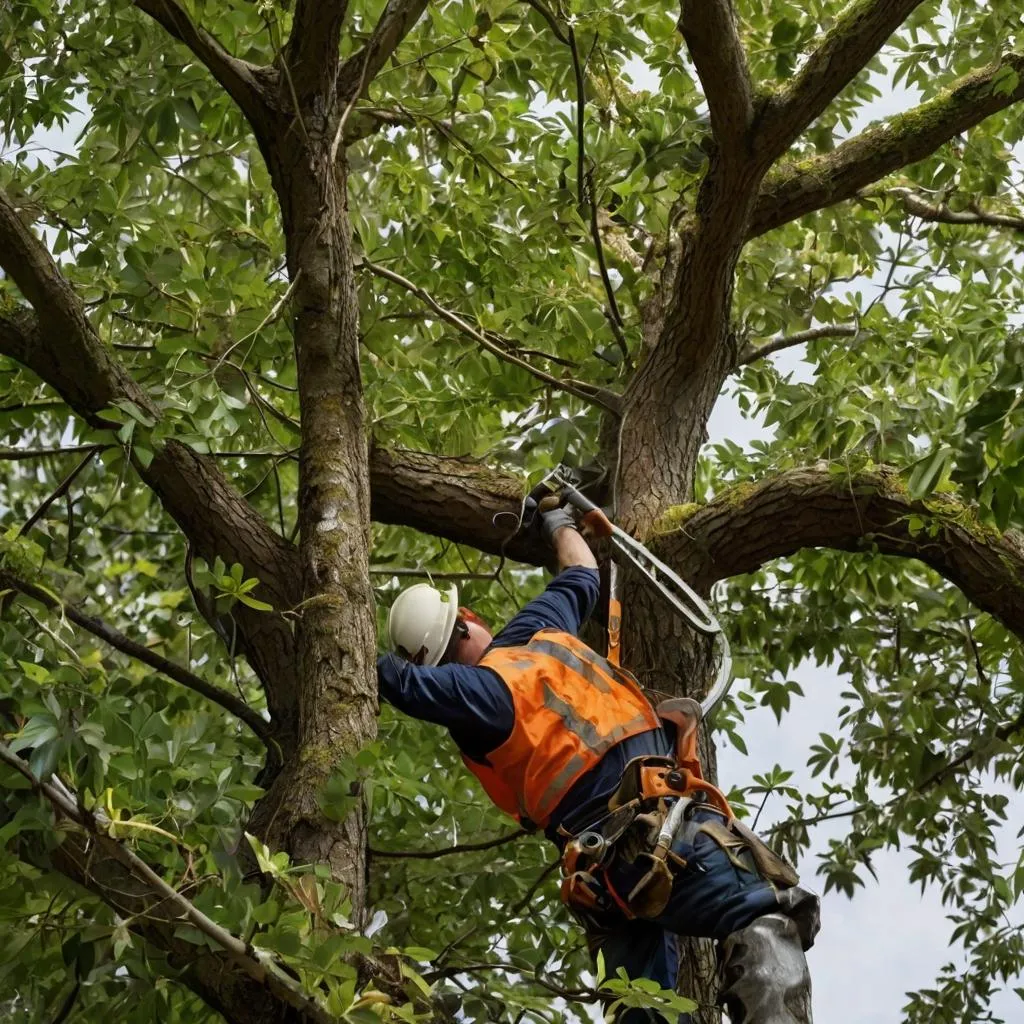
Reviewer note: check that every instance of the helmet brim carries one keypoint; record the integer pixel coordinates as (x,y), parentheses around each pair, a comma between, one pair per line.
(451,614)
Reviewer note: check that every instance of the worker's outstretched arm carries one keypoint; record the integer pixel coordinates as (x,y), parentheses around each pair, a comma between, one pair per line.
(558,528)
(571,549)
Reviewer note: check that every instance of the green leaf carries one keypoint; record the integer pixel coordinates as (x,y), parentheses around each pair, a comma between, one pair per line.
(37,673)
(927,473)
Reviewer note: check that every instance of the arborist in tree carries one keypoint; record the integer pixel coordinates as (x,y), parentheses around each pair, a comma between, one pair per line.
(565,740)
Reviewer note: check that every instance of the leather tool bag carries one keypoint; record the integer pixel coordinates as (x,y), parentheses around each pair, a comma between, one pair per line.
(735,839)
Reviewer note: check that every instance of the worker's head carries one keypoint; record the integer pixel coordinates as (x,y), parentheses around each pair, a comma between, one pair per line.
(427,627)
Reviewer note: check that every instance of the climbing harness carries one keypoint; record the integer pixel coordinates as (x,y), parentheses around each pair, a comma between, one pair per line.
(650,811)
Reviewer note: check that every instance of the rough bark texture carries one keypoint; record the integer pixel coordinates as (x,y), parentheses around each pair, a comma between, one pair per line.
(336,630)
(857,34)
(800,188)
(856,511)
(459,499)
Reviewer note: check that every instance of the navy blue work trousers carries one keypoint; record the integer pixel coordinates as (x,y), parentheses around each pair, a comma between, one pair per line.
(711,897)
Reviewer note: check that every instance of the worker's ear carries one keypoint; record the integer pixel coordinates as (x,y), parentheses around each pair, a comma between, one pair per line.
(459,633)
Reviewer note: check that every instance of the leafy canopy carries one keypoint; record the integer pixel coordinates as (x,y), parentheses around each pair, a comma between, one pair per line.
(160,210)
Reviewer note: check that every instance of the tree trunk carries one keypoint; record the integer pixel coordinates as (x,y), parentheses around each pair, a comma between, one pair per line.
(334,621)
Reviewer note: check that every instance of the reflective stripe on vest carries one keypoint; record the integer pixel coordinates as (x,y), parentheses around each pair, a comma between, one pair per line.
(571,706)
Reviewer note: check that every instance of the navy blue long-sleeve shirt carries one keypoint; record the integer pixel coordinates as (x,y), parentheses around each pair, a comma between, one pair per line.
(475,705)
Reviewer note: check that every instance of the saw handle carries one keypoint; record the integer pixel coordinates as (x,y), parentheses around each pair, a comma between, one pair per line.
(543,499)
(591,517)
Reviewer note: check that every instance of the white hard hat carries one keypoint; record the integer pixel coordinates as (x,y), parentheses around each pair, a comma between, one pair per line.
(423,617)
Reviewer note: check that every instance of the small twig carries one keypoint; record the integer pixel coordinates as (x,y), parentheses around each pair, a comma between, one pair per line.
(525,901)
(346,113)
(614,316)
(757,817)
(58,640)
(274,313)
(581,116)
(488,844)
(786,826)
(23,454)
(118,640)
(586,197)
(976,652)
(587,392)
(61,489)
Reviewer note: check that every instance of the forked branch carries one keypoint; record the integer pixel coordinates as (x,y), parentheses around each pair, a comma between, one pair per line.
(857,34)
(238,77)
(800,188)
(312,50)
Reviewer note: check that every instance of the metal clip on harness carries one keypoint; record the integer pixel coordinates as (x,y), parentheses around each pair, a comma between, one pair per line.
(683,599)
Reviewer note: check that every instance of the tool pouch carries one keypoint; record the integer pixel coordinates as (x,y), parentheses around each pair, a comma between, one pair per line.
(735,839)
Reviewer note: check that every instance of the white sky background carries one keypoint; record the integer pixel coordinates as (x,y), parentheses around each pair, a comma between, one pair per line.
(889,939)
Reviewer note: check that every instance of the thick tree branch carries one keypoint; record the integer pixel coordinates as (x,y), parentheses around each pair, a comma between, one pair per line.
(136,892)
(940,213)
(850,511)
(712,36)
(392,27)
(117,639)
(783,341)
(58,492)
(858,33)
(580,389)
(312,49)
(459,499)
(239,78)
(59,343)
(801,187)
(62,321)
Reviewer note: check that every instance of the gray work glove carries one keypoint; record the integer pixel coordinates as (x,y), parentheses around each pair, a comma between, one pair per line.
(555,520)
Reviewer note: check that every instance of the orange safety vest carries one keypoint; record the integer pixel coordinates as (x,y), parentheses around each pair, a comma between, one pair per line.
(571,707)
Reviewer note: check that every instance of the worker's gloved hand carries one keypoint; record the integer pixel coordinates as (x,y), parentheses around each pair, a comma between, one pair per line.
(555,520)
